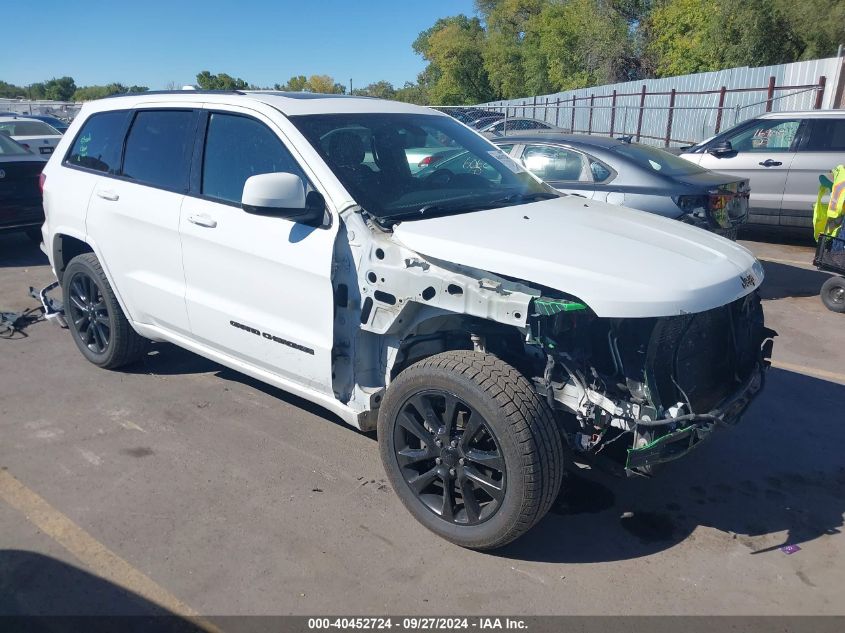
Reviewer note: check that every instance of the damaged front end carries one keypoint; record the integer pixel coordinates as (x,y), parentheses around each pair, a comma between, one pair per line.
(655,386)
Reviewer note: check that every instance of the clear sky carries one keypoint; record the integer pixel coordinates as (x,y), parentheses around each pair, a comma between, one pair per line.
(153,42)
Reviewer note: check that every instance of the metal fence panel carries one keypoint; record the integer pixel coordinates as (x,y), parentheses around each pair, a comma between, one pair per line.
(694,117)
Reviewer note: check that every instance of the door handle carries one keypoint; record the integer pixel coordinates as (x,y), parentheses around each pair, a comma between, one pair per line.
(770,163)
(200,219)
(108,195)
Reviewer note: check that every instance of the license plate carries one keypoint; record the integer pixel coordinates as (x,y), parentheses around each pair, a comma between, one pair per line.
(45,150)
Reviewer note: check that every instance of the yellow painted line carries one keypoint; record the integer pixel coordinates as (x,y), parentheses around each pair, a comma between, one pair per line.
(809,371)
(94,555)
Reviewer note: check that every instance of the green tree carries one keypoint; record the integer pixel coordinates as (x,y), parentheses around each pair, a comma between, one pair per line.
(583,43)
(380,89)
(817,26)
(11,91)
(512,56)
(456,74)
(60,89)
(220,81)
(325,84)
(297,83)
(88,93)
(412,93)
(687,36)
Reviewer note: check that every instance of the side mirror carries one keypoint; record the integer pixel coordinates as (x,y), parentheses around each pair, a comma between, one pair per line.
(723,148)
(282,195)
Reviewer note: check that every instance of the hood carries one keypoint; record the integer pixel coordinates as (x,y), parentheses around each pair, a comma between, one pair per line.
(620,262)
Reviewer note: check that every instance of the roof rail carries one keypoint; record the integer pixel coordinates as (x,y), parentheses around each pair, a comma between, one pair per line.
(176,92)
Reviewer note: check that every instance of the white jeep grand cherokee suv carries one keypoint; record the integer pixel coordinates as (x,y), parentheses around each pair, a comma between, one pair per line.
(488,327)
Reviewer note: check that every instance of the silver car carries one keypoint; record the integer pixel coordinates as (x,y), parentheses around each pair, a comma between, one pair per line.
(782,154)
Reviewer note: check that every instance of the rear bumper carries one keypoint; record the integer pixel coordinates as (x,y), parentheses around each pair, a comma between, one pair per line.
(16,216)
(695,428)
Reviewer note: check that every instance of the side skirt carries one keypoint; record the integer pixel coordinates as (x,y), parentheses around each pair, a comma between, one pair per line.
(348,415)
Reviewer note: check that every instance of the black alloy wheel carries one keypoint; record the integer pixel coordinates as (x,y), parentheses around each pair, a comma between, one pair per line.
(95,319)
(449,457)
(471,449)
(88,312)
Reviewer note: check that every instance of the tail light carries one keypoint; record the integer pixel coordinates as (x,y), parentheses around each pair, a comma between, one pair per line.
(713,205)
(42,178)
(428,160)
(692,205)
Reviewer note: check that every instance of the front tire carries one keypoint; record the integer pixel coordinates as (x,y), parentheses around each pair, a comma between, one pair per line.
(833,294)
(94,317)
(470,448)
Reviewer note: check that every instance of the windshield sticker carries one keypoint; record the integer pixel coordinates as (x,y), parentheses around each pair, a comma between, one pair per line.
(507,161)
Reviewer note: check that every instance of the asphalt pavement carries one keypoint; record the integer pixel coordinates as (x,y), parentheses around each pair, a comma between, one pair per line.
(180,486)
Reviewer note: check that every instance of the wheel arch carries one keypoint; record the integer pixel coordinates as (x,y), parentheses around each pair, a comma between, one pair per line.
(440,333)
(64,248)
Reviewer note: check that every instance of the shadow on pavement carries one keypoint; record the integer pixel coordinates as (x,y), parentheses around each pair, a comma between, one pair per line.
(783,280)
(166,359)
(780,470)
(33,584)
(17,250)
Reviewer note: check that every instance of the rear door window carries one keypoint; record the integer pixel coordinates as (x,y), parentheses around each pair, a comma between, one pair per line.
(826,135)
(556,163)
(99,142)
(158,148)
(236,148)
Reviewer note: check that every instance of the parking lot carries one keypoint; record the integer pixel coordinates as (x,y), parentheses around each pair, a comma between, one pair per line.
(183,486)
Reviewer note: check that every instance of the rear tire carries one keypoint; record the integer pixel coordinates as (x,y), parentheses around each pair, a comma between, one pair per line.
(470,448)
(833,294)
(94,317)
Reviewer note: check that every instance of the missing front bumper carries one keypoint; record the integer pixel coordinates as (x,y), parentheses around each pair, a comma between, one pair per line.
(679,441)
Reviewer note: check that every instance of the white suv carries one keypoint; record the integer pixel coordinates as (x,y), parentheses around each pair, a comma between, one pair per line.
(487,326)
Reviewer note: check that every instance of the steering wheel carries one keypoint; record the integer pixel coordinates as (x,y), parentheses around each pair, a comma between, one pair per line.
(439,177)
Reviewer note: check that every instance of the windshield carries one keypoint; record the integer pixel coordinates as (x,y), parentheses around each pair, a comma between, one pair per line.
(657,160)
(8,147)
(20,127)
(406,166)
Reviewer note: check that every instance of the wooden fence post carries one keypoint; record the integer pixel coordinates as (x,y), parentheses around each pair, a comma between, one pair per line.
(640,117)
(820,93)
(722,93)
(590,124)
(669,120)
(612,113)
(770,94)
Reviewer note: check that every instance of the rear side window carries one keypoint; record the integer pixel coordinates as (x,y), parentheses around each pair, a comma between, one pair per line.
(826,135)
(237,147)
(158,148)
(98,144)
